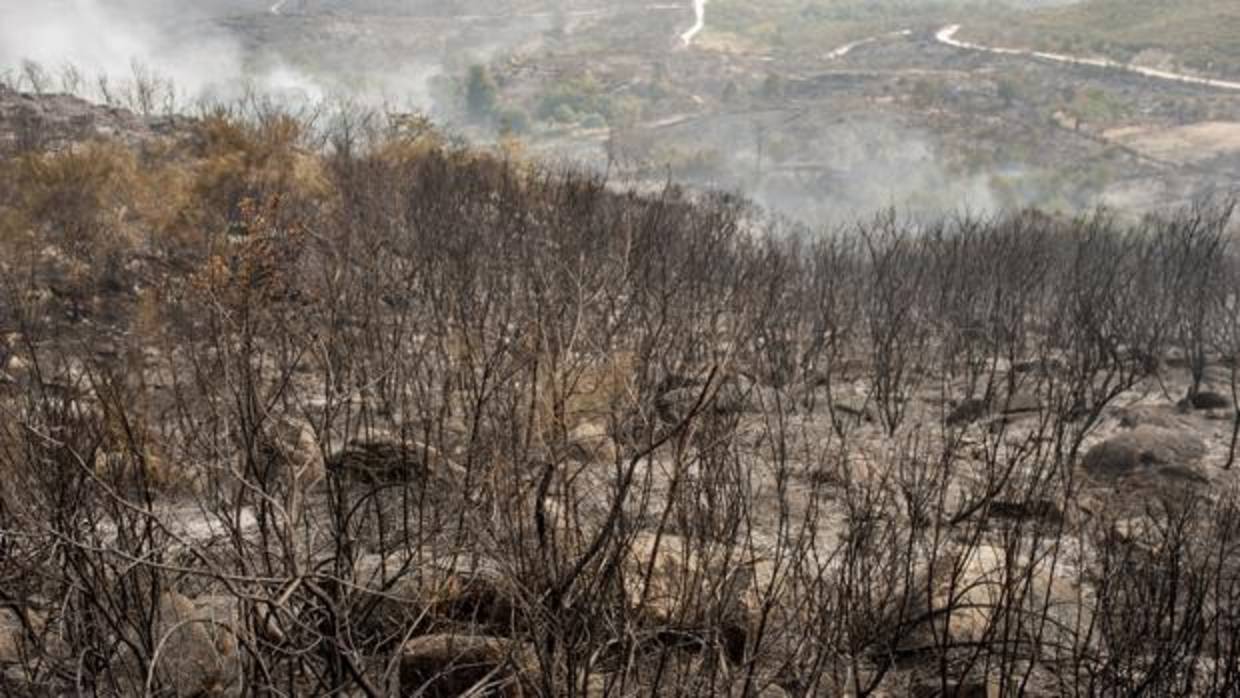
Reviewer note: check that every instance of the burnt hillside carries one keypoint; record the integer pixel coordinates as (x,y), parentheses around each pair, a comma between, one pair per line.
(364,412)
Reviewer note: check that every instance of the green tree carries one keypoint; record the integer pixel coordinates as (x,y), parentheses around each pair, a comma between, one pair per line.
(480,92)
(773,87)
(514,121)
(1009,91)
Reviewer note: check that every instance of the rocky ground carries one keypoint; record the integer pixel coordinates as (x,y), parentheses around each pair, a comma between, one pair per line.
(422,421)
(40,122)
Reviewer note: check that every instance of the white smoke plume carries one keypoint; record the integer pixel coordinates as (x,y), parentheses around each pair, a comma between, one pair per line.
(101,40)
(110,44)
(207,51)
(699,10)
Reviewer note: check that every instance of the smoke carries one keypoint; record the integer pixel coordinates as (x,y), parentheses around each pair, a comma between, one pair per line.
(833,170)
(96,39)
(221,50)
(699,11)
(869,164)
(109,46)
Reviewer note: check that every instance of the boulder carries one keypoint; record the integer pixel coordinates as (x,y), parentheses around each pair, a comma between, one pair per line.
(294,442)
(732,395)
(1206,400)
(966,689)
(461,591)
(685,674)
(1018,403)
(16,366)
(1038,511)
(1007,408)
(12,637)
(673,580)
(448,665)
(980,602)
(858,408)
(382,460)
(1164,416)
(693,589)
(1045,366)
(590,442)
(968,411)
(198,648)
(1145,451)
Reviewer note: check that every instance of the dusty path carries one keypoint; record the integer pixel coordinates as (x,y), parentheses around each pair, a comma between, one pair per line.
(699,12)
(853,45)
(947,36)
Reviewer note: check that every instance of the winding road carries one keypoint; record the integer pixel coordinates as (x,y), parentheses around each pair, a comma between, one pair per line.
(849,47)
(947,36)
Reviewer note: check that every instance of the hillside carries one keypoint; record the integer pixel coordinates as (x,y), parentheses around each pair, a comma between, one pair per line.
(800,25)
(362,411)
(1199,35)
(36,122)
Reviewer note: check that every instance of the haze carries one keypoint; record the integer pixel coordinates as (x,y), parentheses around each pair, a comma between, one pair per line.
(822,111)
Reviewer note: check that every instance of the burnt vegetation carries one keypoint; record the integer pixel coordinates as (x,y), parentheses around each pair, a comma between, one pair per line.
(347,410)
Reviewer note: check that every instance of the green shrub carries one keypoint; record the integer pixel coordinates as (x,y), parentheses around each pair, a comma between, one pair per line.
(513,120)
(480,92)
(564,114)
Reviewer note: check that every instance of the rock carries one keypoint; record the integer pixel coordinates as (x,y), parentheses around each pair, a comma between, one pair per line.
(1046,366)
(591,443)
(967,689)
(199,653)
(659,575)
(673,405)
(1146,450)
(968,411)
(1164,416)
(62,120)
(674,583)
(676,381)
(686,674)
(1206,400)
(1042,511)
(732,396)
(1177,358)
(973,596)
(16,366)
(293,441)
(12,637)
(668,577)
(446,665)
(975,605)
(378,461)
(857,408)
(1019,402)
(458,590)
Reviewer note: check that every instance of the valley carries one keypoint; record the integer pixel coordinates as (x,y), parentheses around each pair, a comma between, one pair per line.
(905,117)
